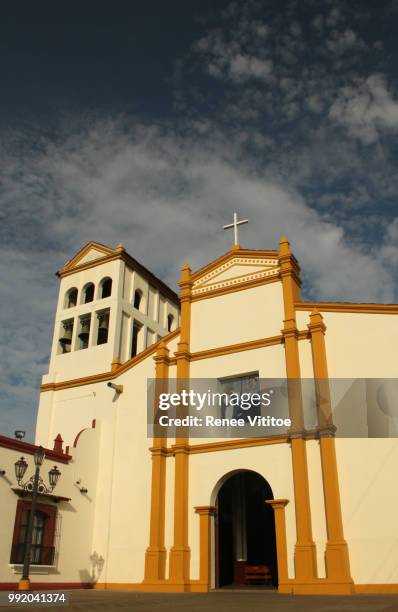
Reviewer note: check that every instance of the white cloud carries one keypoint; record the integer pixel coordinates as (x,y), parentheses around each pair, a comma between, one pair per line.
(340,42)
(242,67)
(366,108)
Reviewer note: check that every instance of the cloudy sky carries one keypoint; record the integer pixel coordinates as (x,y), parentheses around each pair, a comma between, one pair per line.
(150,123)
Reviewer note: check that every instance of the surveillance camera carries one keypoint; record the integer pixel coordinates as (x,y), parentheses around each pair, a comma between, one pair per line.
(117,388)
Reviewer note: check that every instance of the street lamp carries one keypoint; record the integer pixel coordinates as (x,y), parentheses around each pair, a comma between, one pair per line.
(35,486)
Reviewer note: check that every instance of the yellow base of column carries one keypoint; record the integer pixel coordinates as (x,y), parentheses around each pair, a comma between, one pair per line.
(305,561)
(155,564)
(24,585)
(179,561)
(337,561)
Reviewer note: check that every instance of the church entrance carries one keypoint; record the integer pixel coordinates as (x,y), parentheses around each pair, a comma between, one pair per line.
(245,533)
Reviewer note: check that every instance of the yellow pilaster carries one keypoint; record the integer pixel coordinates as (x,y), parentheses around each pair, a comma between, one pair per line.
(278,506)
(155,556)
(205,514)
(336,554)
(180,552)
(305,551)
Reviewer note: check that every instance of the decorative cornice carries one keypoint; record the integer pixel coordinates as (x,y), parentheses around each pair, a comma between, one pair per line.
(30,449)
(159,451)
(206,510)
(235,281)
(348,307)
(226,444)
(277,503)
(239,286)
(237,348)
(232,254)
(316,324)
(289,329)
(241,261)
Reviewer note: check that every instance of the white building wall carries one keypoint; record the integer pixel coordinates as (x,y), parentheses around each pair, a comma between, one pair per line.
(246,315)
(73,557)
(369,501)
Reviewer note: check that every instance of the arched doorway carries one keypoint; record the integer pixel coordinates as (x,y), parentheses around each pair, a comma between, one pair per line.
(245,532)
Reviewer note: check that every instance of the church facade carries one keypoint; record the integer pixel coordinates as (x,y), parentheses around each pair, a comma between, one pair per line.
(306,511)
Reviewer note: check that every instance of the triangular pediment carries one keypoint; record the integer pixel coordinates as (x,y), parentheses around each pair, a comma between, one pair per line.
(235,269)
(90,252)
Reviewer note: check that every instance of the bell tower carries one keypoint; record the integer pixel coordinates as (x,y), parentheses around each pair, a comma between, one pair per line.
(99,319)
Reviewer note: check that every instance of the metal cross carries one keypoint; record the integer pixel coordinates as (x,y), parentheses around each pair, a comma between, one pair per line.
(235,226)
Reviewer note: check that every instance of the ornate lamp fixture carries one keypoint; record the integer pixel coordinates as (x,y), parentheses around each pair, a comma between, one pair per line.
(53,475)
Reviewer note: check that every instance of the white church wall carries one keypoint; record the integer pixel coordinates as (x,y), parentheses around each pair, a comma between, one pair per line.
(72,410)
(359,345)
(305,356)
(125,470)
(43,420)
(369,501)
(237,317)
(269,362)
(76,526)
(302,319)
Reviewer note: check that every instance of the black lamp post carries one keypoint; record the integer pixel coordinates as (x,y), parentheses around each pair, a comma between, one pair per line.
(35,486)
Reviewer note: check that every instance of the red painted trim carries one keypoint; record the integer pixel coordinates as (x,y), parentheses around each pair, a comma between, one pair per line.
(30,449)
(93,423)
(78,436)
(48,586)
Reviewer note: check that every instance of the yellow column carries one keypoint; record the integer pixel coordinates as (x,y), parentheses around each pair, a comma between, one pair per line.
(155,556)
(205,514)
(278,506)
(180,552)
(336,555)
(305,551)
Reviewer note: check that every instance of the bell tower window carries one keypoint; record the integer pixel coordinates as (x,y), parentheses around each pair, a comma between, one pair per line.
(65,340)
(84,331)
(170,321)
(105,287)
(71,298)
(103,327)
(88,293)
(137,298)
(137,327)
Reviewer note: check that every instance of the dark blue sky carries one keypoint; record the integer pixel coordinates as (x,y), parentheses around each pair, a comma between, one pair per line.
(151,123)
(85,56)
